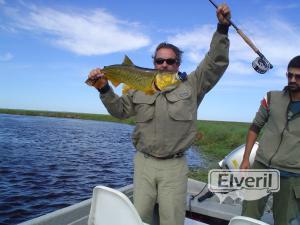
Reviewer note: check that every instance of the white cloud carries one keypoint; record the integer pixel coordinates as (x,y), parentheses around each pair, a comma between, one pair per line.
(277,39)
(240,68)
(248,84)
(90,33)
(194,43)
(6,57)
(274,36)
(273,7)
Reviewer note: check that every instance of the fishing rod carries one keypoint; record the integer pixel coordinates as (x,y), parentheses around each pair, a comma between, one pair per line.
(260,64)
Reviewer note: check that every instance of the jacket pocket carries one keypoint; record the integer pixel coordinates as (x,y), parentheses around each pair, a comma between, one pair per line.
(180,104)
(144,106)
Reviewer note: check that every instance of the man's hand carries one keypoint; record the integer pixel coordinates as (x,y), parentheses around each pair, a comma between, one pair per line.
(245,164)
(99,77)
(223,12)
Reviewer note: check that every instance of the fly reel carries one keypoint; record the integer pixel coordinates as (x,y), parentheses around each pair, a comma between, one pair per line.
(261,65)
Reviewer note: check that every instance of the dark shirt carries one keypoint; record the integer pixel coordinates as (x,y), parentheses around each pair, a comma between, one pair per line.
(294,108)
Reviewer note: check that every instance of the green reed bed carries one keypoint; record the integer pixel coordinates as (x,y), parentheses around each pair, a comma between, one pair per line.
(219,138)
(73,115)
(216,140)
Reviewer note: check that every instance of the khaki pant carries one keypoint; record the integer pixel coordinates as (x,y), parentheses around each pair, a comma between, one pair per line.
(286,202)
(162,181)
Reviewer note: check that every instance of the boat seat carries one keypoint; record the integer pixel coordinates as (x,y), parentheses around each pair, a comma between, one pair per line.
(112,207)
(243,220)
(188,221)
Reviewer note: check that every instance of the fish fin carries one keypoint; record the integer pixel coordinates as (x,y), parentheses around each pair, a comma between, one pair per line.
(115,83)
(126,89)
(127,61)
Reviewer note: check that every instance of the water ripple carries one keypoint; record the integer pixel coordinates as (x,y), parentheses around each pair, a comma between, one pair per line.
(50,163)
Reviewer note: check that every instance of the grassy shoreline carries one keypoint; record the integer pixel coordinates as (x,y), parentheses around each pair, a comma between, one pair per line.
(72,115)
(216,138)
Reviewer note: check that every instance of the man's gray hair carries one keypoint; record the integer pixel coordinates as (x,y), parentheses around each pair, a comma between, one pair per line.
(176,50)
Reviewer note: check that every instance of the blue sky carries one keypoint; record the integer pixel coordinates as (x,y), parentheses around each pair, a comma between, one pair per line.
(47,49)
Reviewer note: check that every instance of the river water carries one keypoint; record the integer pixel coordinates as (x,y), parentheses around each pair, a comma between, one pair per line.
(50,163)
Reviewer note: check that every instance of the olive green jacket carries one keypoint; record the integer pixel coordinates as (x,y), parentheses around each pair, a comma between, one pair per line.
(166,122)
(279,146)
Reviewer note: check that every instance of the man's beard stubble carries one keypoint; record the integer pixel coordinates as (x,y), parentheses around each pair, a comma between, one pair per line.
(293,87)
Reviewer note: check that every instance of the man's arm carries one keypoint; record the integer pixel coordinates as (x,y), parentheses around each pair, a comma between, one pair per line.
(259,121)
(251,139)
(119,107)
(216,60)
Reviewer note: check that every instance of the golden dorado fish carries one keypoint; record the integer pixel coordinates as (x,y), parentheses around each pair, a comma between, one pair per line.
(138,78)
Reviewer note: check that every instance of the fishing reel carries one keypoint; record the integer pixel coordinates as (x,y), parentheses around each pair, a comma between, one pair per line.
(261,65)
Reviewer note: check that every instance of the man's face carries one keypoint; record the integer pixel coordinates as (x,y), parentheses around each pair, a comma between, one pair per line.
(293,76)
(165,60)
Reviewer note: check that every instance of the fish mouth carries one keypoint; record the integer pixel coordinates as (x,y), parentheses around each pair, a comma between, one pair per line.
(168,88)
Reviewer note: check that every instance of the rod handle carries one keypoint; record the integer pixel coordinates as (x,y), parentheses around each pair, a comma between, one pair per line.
(247,40)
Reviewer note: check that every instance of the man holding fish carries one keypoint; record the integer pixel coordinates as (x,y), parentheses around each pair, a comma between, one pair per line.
(165,112)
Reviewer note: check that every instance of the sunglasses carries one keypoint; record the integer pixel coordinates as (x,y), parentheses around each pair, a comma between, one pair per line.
(169,61)
(291,75)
